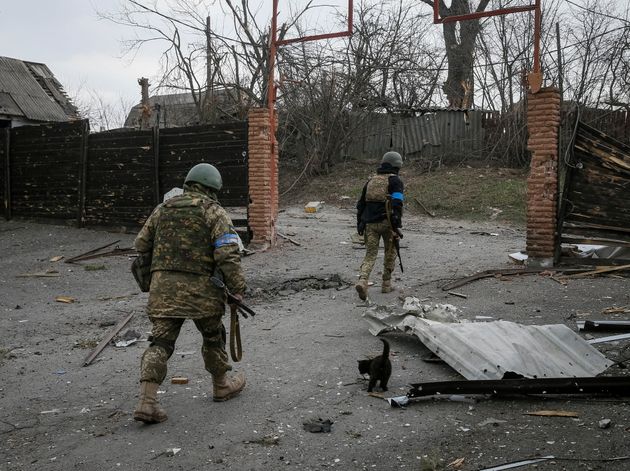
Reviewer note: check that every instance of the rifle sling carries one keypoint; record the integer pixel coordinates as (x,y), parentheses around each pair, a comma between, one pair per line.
(236,347)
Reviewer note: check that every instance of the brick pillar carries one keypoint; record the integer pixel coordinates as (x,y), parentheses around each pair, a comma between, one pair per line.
(543,123)
(263,178)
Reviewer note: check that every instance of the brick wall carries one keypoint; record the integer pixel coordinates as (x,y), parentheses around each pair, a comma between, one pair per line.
(543,122)
(263,178)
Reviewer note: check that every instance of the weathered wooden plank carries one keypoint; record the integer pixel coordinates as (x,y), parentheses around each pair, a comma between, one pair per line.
(565,260)
(6,173)
(596,238)
(235,127)
(83,175)
(119,138)
(124,166)
(596,207)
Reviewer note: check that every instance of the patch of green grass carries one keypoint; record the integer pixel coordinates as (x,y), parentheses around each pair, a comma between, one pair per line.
(94,267)
(472,194)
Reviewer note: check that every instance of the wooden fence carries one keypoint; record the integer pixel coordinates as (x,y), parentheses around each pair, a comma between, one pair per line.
(62,172)
(596,201)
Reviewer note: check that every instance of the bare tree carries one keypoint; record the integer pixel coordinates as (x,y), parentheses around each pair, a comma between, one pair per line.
(460,39)
(329,89)
(199,60)
(102,113)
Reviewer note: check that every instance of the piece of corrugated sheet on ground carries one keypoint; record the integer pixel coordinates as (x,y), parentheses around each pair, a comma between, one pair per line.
(489,350)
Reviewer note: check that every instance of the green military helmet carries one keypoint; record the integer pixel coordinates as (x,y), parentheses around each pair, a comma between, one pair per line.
(207,175)
(392,158)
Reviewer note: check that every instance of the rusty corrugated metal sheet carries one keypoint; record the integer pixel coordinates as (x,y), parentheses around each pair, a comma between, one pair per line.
(17,81)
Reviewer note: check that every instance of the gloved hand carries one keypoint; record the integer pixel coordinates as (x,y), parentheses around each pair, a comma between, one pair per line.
(396,221)
(237,296)
(360,228)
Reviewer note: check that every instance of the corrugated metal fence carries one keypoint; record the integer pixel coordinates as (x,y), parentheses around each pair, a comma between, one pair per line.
(114,178)
(445,135)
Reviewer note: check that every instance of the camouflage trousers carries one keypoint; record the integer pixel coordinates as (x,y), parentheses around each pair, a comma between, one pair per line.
(373,234)
(164,334)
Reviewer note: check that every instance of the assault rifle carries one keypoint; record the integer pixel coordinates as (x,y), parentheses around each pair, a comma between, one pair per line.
(396,232)
(231,299)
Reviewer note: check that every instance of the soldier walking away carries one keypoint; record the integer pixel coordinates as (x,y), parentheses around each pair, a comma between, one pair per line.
(381,192)
(191,238)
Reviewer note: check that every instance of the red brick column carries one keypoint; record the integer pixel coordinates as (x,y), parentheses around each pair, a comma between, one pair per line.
(543,123)
(263,178)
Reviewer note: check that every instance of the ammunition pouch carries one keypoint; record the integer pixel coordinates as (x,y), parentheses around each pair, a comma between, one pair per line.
(141,270)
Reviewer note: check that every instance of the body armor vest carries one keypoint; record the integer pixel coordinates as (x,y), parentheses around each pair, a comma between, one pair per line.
(182,238)
(376,191)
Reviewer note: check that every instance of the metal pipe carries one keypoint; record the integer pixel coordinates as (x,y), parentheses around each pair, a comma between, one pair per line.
(481,14)
(537,22)
(616,385)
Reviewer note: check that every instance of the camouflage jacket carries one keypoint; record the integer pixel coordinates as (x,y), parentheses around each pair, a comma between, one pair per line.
(184,259)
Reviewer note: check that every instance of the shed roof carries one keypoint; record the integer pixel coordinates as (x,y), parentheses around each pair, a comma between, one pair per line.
(178,109)
(29,90)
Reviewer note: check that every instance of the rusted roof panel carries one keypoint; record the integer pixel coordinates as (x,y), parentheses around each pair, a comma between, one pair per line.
(17,81)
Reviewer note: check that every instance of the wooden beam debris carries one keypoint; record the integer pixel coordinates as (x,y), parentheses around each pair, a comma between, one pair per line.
(96,253)
(108,338)
(597,271)
(289,239)
(507,272)
(424,207)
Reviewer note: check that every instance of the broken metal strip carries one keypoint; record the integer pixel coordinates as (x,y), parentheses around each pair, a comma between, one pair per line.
(518,464)
(90,252)
(612,338)
(505,272)
(99,348)
(112,253)
(613,385)
(598,271)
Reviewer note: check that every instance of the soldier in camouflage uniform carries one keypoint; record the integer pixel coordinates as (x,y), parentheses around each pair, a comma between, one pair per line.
(373,222)
(191,238)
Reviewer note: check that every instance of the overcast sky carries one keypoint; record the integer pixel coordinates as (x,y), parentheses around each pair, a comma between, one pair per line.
(83,51)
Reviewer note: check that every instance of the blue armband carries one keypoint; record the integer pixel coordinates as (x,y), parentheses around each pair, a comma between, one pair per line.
(398,196)
(226,239)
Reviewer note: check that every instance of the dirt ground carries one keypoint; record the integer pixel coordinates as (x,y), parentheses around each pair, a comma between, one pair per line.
(300,355)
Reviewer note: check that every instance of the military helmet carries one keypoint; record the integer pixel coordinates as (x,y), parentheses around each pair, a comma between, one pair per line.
(392,158)
(207,175)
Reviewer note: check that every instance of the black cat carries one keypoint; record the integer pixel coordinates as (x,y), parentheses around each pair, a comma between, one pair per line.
(379,368)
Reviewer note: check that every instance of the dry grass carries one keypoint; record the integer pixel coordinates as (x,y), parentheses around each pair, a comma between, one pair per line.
(475,194)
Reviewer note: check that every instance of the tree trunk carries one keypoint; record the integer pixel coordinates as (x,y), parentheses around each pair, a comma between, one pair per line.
(460,39)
